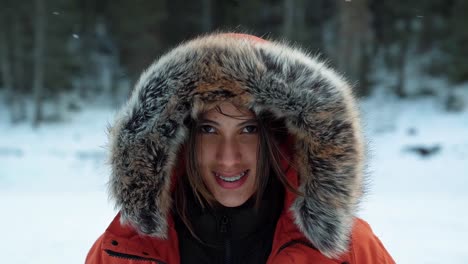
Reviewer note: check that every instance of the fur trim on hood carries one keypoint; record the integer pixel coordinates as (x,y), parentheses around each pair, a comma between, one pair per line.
(317,104)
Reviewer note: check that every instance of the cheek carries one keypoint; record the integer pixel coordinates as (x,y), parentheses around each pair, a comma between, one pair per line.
(205,152)
(250,150)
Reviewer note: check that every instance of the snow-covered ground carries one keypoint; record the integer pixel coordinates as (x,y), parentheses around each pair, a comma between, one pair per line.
(53,184)
(417,205)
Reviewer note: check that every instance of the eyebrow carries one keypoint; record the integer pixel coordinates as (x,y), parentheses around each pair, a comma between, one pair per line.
(248,121)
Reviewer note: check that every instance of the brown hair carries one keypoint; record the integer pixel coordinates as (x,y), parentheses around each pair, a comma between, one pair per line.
(271,131)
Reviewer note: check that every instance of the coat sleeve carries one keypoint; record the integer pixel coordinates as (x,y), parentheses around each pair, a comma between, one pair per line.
(366,247)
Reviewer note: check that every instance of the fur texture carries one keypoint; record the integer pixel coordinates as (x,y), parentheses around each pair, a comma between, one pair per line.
(264,75)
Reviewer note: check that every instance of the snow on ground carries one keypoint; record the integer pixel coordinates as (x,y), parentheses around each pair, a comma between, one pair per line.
(53,184)
(417,205)
(52,188)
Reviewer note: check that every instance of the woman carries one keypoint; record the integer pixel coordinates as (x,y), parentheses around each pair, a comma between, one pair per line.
(233,149)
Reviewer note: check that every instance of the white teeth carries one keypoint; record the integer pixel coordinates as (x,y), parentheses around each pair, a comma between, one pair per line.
(232,178)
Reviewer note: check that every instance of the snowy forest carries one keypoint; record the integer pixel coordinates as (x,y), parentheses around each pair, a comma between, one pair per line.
(66,66)
(68,53)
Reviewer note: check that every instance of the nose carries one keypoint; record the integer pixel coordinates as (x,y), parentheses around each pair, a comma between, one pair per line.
(228,153)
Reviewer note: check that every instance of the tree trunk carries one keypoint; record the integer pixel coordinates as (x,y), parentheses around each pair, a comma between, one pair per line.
(364,85)
(19,105)
(288,19)
(401,62)
(39,59)
(354,38)
(300,21)
(12,97)
(426,35)
(207,21)
(347,37)
(5,64)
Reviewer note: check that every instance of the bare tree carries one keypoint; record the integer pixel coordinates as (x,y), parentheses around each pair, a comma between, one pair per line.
(288,18)
(294,21)
(354,41)
(39,60)
(402,58)
(18,102)
(207,15)
(5,63)
(299,15)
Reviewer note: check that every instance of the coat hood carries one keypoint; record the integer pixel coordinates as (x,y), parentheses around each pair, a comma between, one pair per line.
(315,102)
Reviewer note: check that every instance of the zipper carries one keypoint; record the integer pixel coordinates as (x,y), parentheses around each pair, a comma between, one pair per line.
(296,241)
(302,242)
(132,257)
(226,231)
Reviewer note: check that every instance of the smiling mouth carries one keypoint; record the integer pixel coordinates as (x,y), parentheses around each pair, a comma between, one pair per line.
(234,178)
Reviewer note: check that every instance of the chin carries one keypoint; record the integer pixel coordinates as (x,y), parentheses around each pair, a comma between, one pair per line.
(232,202)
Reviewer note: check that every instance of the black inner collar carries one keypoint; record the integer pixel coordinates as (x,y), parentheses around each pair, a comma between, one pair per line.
(251,229)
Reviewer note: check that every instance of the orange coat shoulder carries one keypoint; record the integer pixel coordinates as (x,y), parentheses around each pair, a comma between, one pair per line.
(365,248)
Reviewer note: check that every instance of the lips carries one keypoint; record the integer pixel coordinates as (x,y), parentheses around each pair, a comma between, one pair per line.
(231,180)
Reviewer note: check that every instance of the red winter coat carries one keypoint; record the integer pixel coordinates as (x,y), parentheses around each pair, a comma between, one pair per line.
(122,244)
(325,148)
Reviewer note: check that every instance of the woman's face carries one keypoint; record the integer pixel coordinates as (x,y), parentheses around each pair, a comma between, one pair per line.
(227,153)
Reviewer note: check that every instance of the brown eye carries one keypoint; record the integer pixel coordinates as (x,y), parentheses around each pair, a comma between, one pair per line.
(207,129)
(251,129)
